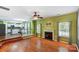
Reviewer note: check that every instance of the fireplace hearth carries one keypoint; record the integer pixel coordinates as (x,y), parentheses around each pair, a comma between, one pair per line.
(48,35)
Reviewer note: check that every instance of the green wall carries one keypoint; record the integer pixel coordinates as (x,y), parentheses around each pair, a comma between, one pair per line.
(33,26)
(71,17)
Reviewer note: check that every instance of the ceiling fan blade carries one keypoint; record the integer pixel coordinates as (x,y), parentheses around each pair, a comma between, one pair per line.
(5,8)
(41,17)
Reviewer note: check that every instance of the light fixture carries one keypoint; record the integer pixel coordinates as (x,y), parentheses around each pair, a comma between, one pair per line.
(36,16)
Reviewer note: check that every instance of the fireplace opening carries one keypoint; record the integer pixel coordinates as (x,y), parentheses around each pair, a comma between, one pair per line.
(48,35)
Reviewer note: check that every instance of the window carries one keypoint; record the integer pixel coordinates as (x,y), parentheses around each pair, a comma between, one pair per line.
(38,28)
(28,28)
(64,28)
(15,27)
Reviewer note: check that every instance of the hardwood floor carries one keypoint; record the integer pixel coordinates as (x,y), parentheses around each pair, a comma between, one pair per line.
(34,44)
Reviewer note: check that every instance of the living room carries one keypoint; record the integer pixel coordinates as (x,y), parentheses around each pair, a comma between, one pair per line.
(51,26)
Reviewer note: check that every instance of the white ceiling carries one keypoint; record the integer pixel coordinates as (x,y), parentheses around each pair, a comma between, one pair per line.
(26,12)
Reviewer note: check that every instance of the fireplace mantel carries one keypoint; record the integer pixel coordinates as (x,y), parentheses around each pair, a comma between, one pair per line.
(48,31)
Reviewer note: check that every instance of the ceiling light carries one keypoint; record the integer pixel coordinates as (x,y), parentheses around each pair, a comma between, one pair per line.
(36,16)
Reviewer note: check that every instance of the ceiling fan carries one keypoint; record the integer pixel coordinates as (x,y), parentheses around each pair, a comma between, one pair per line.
(37,16)
(4,8)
